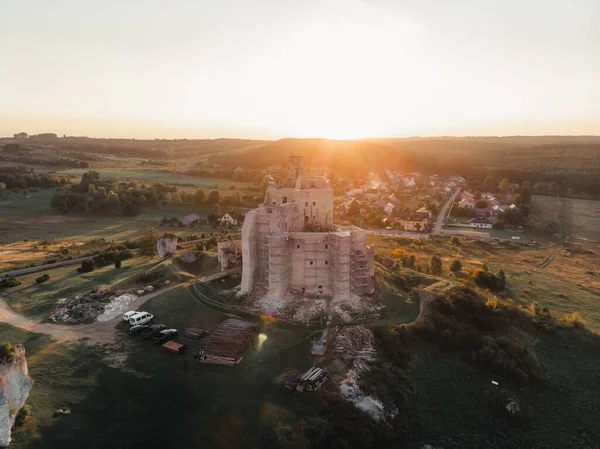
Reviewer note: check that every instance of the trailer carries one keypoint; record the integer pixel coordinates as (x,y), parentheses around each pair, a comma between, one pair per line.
(174,347)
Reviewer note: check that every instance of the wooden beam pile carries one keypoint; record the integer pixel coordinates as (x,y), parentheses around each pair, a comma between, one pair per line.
(228,342)
(355,343)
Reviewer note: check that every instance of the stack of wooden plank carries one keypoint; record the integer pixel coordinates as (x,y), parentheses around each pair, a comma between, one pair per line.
(228,341)
(194,333)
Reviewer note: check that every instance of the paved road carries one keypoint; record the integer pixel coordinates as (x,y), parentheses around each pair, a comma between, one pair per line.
(48,266)
(440,219)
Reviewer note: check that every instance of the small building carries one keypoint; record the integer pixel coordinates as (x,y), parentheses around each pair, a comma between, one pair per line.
(21,136)
(190,220)
(481,222)
(410,221)
(230,218)
(467,203)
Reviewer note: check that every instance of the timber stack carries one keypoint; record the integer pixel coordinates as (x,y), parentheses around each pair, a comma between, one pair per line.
(227,343)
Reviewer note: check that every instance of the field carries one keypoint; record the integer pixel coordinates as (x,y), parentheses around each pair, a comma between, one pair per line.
(166,177)
(155,400)
(36,300)
(567,285)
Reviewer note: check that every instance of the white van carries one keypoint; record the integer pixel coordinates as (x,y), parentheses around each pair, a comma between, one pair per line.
(140,318)
(129,314)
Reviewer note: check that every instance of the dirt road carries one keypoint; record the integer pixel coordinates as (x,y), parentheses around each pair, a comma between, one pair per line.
(99,332)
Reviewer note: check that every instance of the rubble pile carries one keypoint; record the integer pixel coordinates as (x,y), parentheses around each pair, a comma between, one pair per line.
(355,345)
(116,307)
(98,304)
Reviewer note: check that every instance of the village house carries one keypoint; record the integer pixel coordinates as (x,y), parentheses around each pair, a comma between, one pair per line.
(467,203)
(230,218)
(482,222)
(190,220)
(409,221)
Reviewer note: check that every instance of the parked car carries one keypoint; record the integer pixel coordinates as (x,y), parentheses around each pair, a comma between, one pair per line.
(164,336)
(138,329)
(152,331)
(129,314)
(141,318)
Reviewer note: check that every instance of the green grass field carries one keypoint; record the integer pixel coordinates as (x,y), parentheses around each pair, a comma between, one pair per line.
(139,395)
(152,177)
(36,300)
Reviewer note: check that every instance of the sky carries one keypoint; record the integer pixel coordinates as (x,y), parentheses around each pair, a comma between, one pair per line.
(299,68)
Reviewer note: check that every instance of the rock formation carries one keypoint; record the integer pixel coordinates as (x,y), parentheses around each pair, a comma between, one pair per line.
(15,385)
(167,246)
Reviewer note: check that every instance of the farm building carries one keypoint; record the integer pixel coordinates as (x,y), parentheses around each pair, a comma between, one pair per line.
(189,220)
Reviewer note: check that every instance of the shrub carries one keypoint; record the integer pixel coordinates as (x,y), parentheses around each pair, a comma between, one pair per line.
(491,303)
(572,320)
(436,265)
(456,266)
(455,241)
(7,350)
(22,415)
(117,263)
(485,279)
(86,266)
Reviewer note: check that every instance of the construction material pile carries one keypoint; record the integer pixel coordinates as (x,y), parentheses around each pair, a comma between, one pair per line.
(228,341)
(356,345)
(117,306)
(195,334)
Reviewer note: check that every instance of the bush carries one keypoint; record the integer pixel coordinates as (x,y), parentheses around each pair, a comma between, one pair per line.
(456,266)
(7,350)
(8,282)
(572,320)
(117,263)
(22,415)
(86,266)
(488,280)
(43,278)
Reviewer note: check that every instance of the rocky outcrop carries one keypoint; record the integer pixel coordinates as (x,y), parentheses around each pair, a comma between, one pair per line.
(15,385)
(167,246)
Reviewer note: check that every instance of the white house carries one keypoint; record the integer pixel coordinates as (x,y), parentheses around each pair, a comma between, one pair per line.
(230,218)
(481,222)
(467,203)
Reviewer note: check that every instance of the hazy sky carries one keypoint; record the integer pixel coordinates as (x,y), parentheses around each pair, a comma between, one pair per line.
(276,68)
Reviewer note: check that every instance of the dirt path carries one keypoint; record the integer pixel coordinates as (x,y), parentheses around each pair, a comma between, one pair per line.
(98,332)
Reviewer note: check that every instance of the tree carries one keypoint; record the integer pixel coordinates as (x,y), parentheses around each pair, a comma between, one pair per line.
(504,185)
(199,197)
(148,242)
(142,201)
(113,200)
(354,209)
(118,263)
(214,197)
(436,264)
(488,183)
(216,210)
(456,266)
(176,198)
(477,196)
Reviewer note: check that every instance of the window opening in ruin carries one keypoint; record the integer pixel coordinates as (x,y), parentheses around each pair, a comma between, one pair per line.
(284,199)
(311,262)
(314,203)
(307,218)
(269,210)
(326,246)
(326,262)
(297,246)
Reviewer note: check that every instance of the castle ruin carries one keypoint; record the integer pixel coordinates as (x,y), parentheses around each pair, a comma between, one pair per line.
(290,243)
